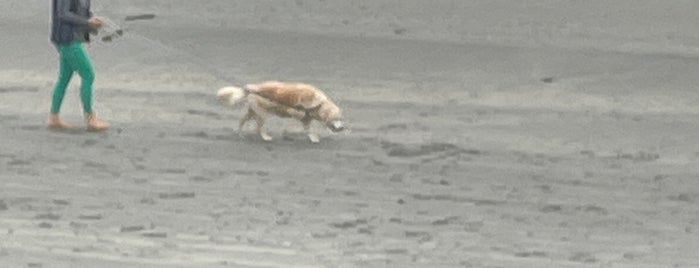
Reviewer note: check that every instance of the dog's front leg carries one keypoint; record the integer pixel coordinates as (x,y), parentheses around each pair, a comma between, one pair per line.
(307,128)
(260,115)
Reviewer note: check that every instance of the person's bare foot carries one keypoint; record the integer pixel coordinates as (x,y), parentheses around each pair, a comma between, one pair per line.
(95,124)
(55,123)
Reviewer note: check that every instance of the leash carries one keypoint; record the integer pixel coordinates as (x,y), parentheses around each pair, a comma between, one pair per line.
(113,31)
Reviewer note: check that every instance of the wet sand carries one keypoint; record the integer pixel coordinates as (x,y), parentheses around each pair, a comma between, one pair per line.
(463,151)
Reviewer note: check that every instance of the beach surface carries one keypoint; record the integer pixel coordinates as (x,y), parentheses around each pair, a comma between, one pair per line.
(542,133)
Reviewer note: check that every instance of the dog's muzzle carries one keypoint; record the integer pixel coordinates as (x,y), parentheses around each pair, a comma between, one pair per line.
(336,126)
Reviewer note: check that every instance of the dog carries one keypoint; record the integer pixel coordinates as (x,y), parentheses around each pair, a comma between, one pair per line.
(299,101)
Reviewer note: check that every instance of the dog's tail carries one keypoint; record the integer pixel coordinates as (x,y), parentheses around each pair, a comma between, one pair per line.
(231,95)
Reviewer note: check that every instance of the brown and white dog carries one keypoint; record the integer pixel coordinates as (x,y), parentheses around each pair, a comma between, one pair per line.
(299,101)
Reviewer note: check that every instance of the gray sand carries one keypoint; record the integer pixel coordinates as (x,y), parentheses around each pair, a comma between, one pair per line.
(544,133)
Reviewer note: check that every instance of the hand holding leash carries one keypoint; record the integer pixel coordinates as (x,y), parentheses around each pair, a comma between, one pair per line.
(109,30)
(95,22)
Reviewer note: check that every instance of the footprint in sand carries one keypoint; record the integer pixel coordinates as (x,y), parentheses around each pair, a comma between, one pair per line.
(19,162)
(209,114)
(155,235)
(4,118)
(147,201)
(397,251)
(583,257)
(61,202)
(77,225)
(260,173)
(349,224)
(405,150)
(89,142)
(393,127)
(683,197)
(431,181)
(473,226)
(593,209)
(48,216)
(640,156)
(429,151)
(18,89)
(551,208)
(422,236)
(32,128)
(176,195)
(131,229)
(530,254)
(445,221)
(175,171)
(397,177)
(324,235)
(199,134)
(34,265)
(200,179)
(92,217)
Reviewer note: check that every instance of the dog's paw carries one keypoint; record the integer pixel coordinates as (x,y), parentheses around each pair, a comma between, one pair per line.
(266,137)
(314,138)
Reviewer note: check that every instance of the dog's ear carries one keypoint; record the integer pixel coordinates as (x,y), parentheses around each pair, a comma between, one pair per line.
(329,111)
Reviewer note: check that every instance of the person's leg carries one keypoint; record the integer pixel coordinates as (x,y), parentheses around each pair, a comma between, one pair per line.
(83,65)
(65,74)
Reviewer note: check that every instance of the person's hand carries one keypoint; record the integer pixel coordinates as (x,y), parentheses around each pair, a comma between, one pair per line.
(95,22)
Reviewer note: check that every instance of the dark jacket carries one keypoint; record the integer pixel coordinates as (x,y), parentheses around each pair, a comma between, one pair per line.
(69,21)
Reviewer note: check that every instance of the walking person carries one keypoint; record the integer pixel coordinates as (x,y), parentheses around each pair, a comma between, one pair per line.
(71,24)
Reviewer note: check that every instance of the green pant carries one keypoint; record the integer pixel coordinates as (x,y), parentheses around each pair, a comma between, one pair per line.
(73,58)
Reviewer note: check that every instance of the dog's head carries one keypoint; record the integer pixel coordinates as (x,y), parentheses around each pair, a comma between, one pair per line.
(331,115)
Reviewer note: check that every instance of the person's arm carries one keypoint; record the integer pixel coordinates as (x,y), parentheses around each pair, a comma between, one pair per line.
(64,13)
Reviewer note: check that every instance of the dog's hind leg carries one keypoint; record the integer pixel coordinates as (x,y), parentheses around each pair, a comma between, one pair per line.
(260,120)
(244,120)
(259,114)
(260,128)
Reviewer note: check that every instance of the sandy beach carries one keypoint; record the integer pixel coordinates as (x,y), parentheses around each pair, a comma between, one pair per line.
(542,133)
